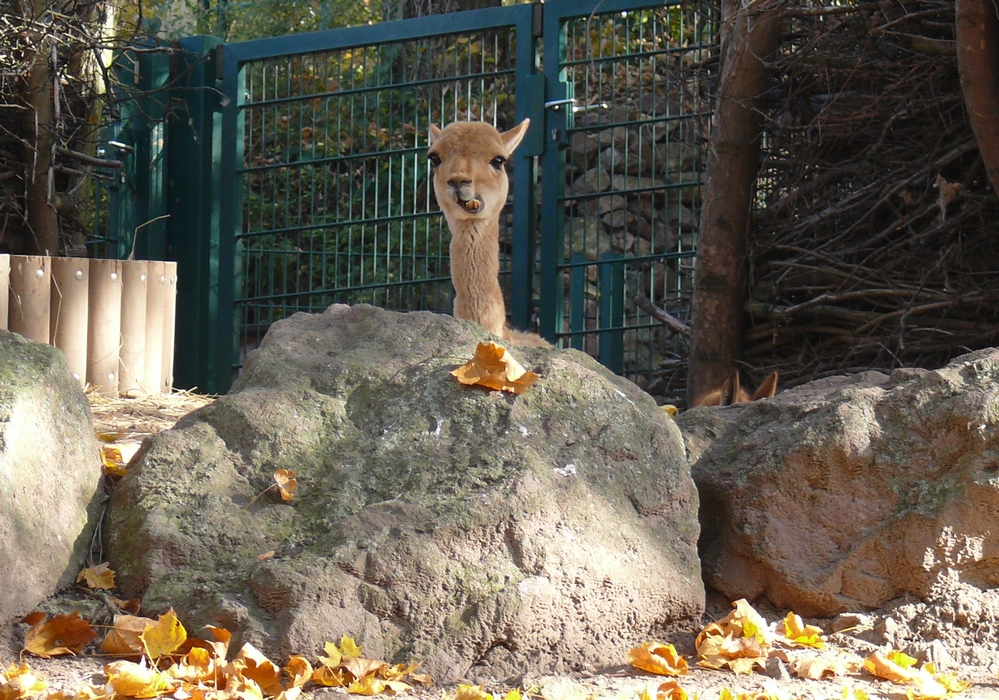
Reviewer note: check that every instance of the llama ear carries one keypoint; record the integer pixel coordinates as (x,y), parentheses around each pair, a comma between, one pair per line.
(514,136)
(767,389)
(435,133)
(730,390)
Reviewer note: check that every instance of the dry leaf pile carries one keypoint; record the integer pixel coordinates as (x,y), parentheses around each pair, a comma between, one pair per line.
(159,659)
(743,641)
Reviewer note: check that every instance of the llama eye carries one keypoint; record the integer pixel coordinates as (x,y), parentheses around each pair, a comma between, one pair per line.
(497,162)
(435,160)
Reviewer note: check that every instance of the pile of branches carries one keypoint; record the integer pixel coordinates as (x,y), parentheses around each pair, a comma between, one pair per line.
(875,243)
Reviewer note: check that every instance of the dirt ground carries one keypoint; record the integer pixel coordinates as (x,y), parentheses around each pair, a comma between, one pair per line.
(957,629)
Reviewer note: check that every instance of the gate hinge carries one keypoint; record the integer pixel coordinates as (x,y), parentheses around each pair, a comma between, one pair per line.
(538,19)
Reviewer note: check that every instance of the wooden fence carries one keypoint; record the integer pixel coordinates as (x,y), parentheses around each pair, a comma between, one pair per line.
(113,319)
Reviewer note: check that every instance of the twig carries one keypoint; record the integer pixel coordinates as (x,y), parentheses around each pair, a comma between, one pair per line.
(674,324)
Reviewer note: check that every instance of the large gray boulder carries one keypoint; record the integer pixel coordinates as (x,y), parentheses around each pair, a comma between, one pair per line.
(481,533)
(850,491)
(50,470)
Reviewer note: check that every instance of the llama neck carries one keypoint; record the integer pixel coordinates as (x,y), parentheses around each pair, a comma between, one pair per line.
(475,255)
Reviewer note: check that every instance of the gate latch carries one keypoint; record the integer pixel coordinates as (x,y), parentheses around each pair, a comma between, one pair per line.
(556,105)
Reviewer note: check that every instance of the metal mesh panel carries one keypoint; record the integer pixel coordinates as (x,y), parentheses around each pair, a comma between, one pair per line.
(634,166)
(337,201)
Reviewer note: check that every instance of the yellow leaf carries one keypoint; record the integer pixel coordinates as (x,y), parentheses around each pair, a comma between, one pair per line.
(926,687)
(123,639)
(163,636)
(751,623)
(669,409)
(133,680)
(851,693)
(359,668)
(878,665)
(112,460)
(472,692)
(329,676)
(63,634)
(19,681)
(512,694)
(111,437)
(287,483)
(493,367)
(244,688)
(348,647)
(797,632)
(368,685)
(646,693)
(656,657)
(99,577)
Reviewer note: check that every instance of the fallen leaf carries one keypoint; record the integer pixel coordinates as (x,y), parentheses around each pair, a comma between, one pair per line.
(798,633)
(348,647)
(251,664)
(493,367)
(114,463)
(287,483)
(889,669)
(851,693)
(948,680)
(19,682)
(817,668)
(671,690)
(99,577)
(196,666)
(656,657)
(299,670)
(124,637)
(63,634)
(129,679)
(163,636)
(266,555)
(669,409)
(472,692)
(33,618)
(739,641)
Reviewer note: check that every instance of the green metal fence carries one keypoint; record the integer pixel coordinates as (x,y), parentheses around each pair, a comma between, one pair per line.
(298,173)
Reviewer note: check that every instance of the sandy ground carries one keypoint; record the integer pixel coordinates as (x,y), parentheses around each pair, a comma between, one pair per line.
(958,629)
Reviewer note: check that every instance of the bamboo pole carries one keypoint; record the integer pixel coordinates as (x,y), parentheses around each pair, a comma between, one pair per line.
(105,325)
(30,280)
(4,289)
(169,325)
(155,292)
(69,309)
(132,357)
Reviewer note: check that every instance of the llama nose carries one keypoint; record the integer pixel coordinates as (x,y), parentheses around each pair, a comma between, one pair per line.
(458,183)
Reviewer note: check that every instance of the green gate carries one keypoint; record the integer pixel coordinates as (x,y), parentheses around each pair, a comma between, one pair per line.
(299,172)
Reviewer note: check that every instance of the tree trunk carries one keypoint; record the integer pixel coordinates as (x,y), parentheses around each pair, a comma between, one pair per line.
(978,61)
(39,132)
(750,34)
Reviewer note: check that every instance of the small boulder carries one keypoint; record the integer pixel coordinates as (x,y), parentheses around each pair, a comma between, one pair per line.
(50,470)
(481,533)
(844,493)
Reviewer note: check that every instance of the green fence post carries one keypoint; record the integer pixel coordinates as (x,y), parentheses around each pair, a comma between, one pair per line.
(612,311)
(192,230)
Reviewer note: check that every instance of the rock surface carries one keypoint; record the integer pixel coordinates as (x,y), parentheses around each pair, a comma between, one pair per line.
(847,492)
(50,470)
(481,533)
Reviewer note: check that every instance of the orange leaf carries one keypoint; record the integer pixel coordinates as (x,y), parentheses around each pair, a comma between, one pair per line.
(299,670)
(20,682)
(471,692)
(113,462)
(123,639)
(671,690)
(493,367)
(287,483)
(250,664)
(798,633)
(63,634)
(99,577)
(656,657)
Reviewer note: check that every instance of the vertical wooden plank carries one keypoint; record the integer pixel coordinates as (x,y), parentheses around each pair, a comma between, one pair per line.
(105,325)
(169,325)
(30,280)
(155,291)
(4,288)
(132,357)
(69,309)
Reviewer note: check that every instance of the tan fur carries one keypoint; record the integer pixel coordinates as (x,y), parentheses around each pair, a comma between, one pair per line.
(731,392)
(471,191)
